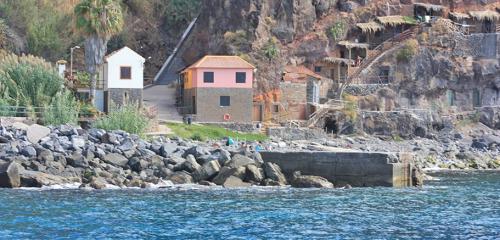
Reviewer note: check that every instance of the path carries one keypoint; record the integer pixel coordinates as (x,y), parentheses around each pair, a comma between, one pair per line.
(163,97)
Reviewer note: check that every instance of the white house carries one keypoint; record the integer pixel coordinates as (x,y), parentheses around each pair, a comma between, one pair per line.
(122,79)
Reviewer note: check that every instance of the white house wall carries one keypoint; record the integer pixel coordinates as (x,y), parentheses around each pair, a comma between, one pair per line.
(125,57)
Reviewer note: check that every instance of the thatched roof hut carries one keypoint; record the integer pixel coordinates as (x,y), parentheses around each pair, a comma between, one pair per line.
(429,7)
(349,44)
(485,15)
(396,20)
(336,60)
(457,16)
(370,27)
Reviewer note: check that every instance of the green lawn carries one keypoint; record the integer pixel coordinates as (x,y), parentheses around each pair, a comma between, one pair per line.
(205,132)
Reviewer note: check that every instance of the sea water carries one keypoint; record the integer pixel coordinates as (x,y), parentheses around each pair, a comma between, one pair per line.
(457,205)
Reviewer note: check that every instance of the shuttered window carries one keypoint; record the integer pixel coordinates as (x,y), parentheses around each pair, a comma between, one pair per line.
(241,77)
(208,77)
(125,73)
(225,101)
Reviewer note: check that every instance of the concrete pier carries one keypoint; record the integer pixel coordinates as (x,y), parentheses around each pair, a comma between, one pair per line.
(359,169)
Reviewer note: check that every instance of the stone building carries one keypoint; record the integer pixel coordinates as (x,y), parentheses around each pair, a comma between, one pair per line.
(120,80)
(217,89)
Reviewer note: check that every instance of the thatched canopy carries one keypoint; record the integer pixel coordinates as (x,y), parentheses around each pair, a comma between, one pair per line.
(396,20)
(457,16)
(485,15)
(370,27)
(349,44)
(429,7)
(336,60)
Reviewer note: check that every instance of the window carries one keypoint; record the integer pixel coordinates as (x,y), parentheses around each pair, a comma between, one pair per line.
(125,73)
(208,77)
(276,108)
(225,101)
(317,69)
(241,77)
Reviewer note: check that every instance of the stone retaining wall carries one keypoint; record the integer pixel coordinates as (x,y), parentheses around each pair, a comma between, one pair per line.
(360,169)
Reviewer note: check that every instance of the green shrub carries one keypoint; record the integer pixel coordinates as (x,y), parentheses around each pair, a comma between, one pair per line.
(271,49)
(407,52)
(6,110)
(62,110)
(28,81)
(181,11)
(337,30)
(128,118)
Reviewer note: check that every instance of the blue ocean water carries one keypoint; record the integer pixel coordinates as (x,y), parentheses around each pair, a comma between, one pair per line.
(459,206)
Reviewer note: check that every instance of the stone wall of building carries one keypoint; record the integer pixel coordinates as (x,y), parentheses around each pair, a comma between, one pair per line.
(119,96)
(294,100)
(208,107)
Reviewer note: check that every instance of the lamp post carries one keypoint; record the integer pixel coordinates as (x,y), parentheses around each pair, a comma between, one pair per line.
(71,61)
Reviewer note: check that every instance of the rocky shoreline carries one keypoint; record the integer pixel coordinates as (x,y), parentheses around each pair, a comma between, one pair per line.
(37,156)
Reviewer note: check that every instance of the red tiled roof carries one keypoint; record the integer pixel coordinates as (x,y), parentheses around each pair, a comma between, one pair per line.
(211,61)
(298,74)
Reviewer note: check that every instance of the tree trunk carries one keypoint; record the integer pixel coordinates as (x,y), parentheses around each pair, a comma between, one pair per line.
(95,49)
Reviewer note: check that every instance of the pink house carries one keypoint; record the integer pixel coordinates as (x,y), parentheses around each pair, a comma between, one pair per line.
(218,88)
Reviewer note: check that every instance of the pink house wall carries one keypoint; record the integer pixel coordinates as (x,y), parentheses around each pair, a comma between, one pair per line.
(223,78)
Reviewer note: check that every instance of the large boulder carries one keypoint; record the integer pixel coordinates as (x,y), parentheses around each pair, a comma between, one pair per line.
(232,182)
(77,160)
(98,183)
(116,159)
(28,151)
(308,181)
(181,177)
(239,160)
(273,172)
(190,165)
(196,151)
(208,170)
(9,175)
(168,149)
(36,132)
(137,164)
(39,179)
(224,174)
(254,174)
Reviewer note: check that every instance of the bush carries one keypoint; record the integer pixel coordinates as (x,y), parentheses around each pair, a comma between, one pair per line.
(271,49)
(181,11)
(128,118)
(62,110)
(28,81)
(409,50)
(337,30)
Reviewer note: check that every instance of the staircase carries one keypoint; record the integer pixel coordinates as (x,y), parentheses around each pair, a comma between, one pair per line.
(378,51)
(162,74)
(322,109)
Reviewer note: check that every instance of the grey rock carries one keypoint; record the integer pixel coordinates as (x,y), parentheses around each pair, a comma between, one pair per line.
(127,145)
(270,182)
(77,142)
(224,173)
(98,183)
(67,130)
(207,183)
(39,179)
(239,160)
(137,164)
(4,139)
(116,159)
(36,132)
(96,133)
(254,174)
(273,171)
(196,151)
(308,181)
(190,165)
(234,182)
(77,160)
(111,138)
(207,171)
(28,151)
(181,177)
(168,149)
(9,175)
(20,126)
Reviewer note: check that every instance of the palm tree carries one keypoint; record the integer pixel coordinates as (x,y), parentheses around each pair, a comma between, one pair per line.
(97,21)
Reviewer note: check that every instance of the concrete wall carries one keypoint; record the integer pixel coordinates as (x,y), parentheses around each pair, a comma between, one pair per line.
(361,169)
(208,107)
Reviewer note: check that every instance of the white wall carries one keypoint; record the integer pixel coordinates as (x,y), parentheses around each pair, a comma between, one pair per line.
(129,58)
